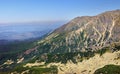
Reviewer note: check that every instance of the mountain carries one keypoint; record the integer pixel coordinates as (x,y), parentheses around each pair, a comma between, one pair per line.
(85,33)
(81,46)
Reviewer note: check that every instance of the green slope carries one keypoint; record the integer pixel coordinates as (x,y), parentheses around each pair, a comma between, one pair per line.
(109,69)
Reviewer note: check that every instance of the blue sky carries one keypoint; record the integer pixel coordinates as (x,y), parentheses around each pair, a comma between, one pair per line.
(12,11)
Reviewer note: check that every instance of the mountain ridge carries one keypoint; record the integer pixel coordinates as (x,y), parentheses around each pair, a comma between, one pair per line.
(92,32)
(82,17)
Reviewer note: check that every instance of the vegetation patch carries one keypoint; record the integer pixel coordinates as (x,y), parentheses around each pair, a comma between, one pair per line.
(109,69)
(37,69)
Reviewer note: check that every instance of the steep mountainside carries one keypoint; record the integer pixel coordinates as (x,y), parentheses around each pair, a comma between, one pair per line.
(83,33)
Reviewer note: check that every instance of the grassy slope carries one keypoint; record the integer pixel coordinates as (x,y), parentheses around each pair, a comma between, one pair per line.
(108,69)
(15,50)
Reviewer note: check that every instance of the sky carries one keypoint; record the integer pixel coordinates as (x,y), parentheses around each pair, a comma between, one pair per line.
(12,11)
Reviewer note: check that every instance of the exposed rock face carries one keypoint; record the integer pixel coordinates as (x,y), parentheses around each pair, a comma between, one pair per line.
(87,32)
(90,65)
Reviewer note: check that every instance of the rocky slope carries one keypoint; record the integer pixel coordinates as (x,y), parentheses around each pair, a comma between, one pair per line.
(87,32)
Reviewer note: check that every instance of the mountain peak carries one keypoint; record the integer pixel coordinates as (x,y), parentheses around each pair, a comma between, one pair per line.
(104,17)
